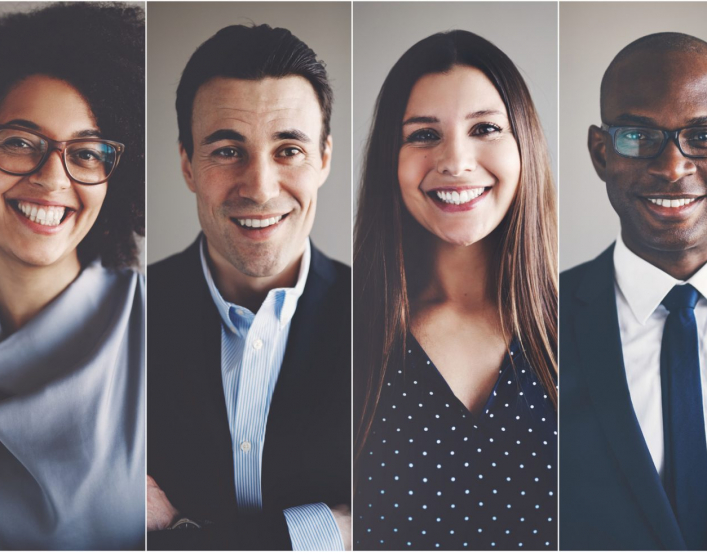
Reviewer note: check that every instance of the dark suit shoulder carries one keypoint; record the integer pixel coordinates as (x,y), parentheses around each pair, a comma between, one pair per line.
(571,278)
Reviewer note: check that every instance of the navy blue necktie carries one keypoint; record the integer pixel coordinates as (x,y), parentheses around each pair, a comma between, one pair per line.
(685,468)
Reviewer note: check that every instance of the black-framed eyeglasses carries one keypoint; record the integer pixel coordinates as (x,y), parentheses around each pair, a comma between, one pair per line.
(649,143)
(86,160)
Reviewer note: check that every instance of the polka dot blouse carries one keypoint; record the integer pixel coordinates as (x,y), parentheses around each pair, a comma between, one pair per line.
(433,477)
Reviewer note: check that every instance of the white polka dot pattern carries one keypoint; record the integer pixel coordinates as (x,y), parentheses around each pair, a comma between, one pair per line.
(433,478)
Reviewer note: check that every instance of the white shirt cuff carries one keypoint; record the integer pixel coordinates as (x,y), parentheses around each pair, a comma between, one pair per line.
(313,527)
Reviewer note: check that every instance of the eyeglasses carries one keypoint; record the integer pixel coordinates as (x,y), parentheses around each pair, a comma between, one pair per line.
(649,143)
(86,160)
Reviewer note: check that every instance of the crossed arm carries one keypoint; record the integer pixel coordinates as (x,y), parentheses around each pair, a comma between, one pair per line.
(161,514)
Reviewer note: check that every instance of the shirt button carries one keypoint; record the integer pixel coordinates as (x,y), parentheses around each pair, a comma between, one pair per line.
(245,446)
(239,312)
(258,344)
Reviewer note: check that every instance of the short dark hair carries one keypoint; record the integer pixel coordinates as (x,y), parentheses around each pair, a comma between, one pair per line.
(657,43)
(250,53)
(99,49)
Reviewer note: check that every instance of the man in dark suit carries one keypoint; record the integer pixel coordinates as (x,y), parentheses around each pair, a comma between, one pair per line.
(633,455)
(249,328)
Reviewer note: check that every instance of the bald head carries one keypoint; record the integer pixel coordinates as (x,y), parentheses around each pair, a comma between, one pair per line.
(663,53)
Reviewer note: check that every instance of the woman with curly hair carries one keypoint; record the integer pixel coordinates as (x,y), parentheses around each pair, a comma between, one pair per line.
(72,434)
(455,317)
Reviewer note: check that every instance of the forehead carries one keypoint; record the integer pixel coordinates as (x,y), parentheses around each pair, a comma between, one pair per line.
(253,106)
(56,107)
(670,88)
(460,91)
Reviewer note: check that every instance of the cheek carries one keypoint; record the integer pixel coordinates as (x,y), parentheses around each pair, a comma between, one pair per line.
(412,168)
(7,182)
(92,197)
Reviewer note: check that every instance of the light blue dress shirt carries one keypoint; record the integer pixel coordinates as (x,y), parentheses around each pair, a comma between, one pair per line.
(252,349)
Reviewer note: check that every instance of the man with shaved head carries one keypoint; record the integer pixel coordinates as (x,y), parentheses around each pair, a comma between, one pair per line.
(633,356)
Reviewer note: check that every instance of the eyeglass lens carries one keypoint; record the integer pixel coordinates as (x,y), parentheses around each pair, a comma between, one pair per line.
(88,162)
(647,142)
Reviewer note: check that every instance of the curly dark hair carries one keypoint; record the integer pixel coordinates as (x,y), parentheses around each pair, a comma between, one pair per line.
(98,48)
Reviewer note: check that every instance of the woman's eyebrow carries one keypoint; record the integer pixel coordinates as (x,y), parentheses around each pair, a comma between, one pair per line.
(484,113)
(88,133)
(420,120)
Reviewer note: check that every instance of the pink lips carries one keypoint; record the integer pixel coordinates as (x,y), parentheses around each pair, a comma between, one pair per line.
(40,228)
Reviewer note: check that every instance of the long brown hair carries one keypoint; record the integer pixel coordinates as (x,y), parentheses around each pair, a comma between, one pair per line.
(525,263)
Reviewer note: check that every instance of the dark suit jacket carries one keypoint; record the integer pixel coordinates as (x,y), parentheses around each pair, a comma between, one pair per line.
(611,497)
(307,452)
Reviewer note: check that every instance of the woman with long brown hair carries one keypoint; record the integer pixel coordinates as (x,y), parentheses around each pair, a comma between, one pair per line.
(455,310)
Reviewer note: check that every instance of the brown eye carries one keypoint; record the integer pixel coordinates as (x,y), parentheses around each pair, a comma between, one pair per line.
(290,152)
(485,129)
(424,135)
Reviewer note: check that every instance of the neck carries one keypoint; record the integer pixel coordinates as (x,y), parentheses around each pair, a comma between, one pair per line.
(25,290)
(681,265)
(249,291)
(460,274)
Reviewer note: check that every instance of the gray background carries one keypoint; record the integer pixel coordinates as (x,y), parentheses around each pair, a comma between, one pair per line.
(525,31)
(175,30)
(591,34)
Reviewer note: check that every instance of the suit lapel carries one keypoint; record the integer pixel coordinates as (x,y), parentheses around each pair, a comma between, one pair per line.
(202,369)
(300,356)
(599,340)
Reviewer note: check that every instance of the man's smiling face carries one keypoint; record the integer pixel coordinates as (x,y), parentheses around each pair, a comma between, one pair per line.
(256,168)
(666,91)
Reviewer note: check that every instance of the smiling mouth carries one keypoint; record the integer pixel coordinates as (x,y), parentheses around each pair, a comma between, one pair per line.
(672,203)
(46,215)
(259,223)
(456,197)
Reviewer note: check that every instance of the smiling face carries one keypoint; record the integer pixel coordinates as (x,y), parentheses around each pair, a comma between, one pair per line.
(661,202)
(57,110)
(459,165)
(256,170)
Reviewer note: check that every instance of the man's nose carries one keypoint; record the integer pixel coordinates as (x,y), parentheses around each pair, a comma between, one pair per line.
(260,181)
(456,157)
(52,175)
(672,165)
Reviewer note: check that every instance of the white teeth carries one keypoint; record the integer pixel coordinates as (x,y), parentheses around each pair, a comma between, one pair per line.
(672,203)
(458,198)
(259,223)
(42,214)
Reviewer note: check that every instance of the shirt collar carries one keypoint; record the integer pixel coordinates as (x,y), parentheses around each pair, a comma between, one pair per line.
(644,285)
(285,299)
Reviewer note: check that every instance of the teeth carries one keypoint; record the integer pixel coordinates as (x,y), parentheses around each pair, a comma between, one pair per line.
(458,198)
(672,203)
(259,223)
(42,214)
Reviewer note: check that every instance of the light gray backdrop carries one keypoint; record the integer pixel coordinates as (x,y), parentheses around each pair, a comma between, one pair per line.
(591,34)
(175,30)
(383,31)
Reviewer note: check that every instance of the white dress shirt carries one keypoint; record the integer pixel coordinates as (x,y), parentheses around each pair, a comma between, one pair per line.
(640,288)
(252,349)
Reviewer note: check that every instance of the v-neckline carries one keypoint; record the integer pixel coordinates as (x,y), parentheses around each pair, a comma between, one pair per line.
(442,382)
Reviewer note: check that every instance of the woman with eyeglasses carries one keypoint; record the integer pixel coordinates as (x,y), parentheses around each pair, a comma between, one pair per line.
(72,435)
(455,311)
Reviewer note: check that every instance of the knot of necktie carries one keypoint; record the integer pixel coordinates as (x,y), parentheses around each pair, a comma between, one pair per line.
(681,297)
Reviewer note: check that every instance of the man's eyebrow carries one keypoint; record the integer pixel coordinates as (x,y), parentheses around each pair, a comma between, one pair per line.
(88,133)
(223,134)
(635,119)
(698,121)
(291,134)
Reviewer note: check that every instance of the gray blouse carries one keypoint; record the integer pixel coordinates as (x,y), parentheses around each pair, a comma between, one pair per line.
(72,419)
